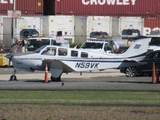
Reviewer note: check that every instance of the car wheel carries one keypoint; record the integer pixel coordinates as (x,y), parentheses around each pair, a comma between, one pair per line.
(131,72)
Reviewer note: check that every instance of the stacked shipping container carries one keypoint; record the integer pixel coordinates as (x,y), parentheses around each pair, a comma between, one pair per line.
(151,24)
(83,7)
(89,16)
(27,7)
(105,7)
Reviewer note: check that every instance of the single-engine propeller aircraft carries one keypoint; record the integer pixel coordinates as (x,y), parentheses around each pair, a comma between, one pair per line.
(64,60)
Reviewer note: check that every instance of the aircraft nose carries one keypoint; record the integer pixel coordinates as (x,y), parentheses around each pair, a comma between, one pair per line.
(9,56)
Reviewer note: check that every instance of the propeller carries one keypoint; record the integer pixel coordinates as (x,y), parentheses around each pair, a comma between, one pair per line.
(15,49)
(9,56)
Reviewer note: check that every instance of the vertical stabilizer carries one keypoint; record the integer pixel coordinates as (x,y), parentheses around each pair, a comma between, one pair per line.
(139,47)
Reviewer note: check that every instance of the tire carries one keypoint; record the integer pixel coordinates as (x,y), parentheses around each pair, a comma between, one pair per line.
(131,72)
(13,78)
(53,79)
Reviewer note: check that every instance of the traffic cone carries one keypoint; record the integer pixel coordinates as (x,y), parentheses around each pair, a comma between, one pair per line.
(157,74)
(154,78)
(46,74)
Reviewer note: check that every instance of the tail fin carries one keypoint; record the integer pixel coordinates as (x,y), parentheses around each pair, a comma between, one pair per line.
(139,47)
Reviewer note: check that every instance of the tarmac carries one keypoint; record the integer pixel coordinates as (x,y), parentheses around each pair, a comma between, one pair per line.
(6,73)
(108,80)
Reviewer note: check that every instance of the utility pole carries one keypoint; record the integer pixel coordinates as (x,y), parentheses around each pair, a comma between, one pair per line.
(14,23)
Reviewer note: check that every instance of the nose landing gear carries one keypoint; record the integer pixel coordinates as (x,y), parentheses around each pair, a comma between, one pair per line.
(13,77)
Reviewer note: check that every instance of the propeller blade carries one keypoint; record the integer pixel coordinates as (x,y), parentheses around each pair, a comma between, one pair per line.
(9,56)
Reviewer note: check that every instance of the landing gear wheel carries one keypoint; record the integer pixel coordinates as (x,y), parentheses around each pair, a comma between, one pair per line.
(55,79)
(131,72)
(13,78)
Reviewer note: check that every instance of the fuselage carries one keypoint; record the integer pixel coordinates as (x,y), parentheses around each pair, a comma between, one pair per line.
(63,60)
(77,59)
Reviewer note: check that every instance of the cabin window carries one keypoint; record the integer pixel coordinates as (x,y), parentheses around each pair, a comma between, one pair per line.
(62,52)
(74,53)
(49,51)
(84,54)
(137,46)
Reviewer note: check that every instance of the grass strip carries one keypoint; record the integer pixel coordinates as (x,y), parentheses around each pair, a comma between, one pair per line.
(81,97)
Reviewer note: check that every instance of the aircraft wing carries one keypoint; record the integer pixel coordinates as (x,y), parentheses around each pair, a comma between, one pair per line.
(57,64)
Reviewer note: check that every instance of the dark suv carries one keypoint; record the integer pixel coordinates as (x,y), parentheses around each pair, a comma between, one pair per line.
(145,69)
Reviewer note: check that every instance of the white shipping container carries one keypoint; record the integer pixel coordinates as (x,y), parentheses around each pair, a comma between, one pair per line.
(102,24)
(1,29)
(54,24)
(7,30)
(22,24)
(136,23)
(28,23)
(80,23)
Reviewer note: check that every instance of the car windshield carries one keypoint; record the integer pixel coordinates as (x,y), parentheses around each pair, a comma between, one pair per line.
(39,49)
(155,41)
(34,44)
(92,45)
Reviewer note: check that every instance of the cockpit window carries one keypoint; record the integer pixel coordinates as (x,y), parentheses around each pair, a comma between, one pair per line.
(39,49)
(50,51)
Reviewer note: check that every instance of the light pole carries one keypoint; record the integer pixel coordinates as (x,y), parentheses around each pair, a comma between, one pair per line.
(14,23)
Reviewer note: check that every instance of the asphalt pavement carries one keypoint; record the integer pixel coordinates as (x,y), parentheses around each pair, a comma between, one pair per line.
(110,80)
(5,74)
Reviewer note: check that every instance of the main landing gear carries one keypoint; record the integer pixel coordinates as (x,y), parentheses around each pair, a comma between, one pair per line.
(54,79)
(13,77)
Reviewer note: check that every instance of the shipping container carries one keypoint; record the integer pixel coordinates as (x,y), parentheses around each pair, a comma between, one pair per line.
(59,25)
(1,29)
(131,26)
(27,7)
(28,27)
(7,32)
(25,27)
(151,24)
(101,7)
(80,27)
(97,24)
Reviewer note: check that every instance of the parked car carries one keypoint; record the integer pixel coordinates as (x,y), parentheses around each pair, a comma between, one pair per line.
(145,69)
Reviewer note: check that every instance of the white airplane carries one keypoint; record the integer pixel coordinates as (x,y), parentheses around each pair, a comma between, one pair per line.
(64,60)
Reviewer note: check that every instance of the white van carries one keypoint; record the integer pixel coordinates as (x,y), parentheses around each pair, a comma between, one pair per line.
(35,43)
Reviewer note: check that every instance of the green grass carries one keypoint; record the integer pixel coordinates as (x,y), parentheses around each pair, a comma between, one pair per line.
(77,111)
(80,97)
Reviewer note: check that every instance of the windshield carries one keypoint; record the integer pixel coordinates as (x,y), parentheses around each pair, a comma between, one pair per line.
(39,49)
(155,41)
(34,44)
(92,45)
